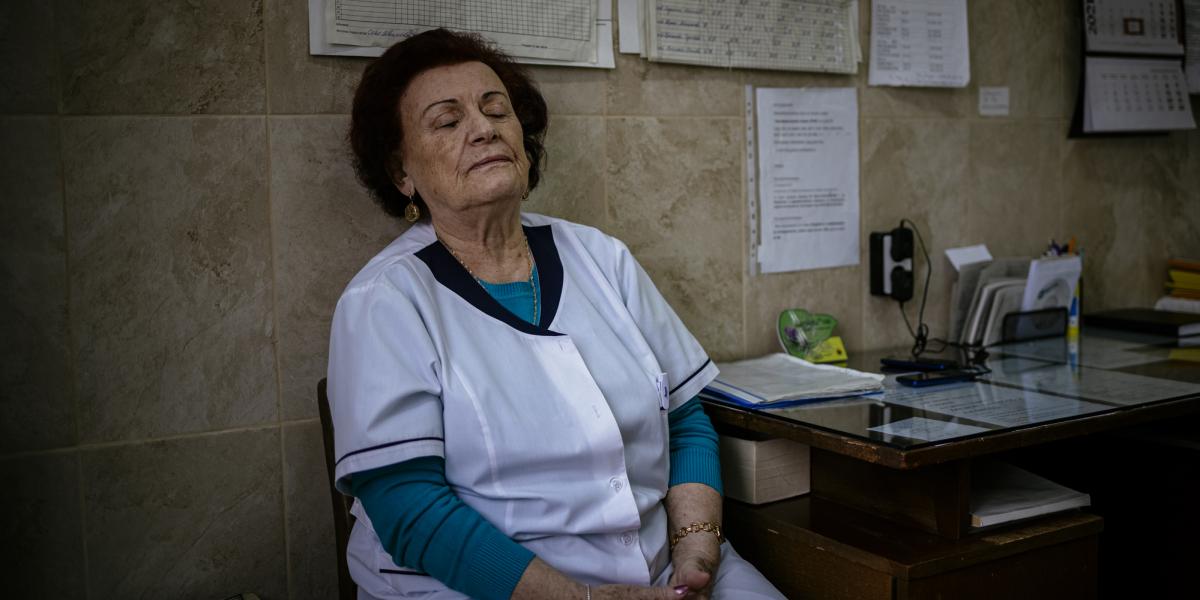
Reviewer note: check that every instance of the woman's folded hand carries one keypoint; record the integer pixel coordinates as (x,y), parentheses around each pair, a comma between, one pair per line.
(636,592)
(696,559)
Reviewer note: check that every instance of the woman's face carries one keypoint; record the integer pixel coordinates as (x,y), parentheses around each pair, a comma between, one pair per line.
(462,143)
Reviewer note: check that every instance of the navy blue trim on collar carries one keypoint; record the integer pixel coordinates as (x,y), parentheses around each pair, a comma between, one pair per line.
(450,273)
(550,271)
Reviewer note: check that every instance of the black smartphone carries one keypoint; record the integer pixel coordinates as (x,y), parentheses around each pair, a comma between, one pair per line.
(916,363)
(930,378)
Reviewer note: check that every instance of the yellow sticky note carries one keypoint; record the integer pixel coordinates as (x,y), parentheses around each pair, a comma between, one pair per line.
(830,350)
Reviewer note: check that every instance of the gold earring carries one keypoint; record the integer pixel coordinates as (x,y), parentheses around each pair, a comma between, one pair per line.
(525,196)
(412,213)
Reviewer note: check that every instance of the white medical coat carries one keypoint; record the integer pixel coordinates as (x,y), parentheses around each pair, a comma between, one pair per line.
(556,432)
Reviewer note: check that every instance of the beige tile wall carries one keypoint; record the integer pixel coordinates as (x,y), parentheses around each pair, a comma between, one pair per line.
(179,216)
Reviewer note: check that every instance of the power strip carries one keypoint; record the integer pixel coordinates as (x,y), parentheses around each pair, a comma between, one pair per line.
(892,264)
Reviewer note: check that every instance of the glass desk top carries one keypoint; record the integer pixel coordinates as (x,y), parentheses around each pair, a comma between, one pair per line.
(1030,384)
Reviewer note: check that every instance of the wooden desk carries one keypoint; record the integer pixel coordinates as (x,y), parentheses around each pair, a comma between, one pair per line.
(890,520)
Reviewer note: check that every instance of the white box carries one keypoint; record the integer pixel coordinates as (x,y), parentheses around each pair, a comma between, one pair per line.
(763,471)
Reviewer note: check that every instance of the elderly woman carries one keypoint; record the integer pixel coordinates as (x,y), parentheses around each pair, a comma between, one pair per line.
(513,401)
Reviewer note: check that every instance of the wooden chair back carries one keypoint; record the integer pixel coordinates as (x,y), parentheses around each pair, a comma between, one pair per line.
(342,519)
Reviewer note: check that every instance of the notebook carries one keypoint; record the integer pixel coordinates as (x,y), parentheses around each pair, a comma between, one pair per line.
(1002,493)
(1147,320)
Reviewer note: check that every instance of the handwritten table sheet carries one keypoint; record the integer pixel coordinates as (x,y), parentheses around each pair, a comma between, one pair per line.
(808,35)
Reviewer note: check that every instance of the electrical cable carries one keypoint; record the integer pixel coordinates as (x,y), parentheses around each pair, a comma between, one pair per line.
(921,334)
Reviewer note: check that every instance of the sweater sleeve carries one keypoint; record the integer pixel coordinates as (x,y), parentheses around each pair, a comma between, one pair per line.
(425,526)
(695,457)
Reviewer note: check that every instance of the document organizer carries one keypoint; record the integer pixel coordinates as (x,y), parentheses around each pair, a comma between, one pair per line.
(1034,325)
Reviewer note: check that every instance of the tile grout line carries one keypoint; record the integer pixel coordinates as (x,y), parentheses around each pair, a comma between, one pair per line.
(743,208)
(274,257)
(72,370)
(861,116)
(94,446)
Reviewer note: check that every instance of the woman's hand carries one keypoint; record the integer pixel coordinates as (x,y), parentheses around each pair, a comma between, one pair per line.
(697,555)
(696,559)
(543,582)
(634,592)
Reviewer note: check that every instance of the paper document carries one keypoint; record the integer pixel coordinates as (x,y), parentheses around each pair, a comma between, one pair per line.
(782,378)
(992,301)
(1132,26)
(993,101)
(564,33)
(796,35)
(1191,9)
(1051,282)
(919,43)
(968,255)
(990,404)
(629,27)
(807,178)
(1002,493)
(929,430)
(1125,94)
(1112,387)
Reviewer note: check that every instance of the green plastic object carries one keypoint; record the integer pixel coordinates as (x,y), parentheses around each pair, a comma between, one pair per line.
(801,331)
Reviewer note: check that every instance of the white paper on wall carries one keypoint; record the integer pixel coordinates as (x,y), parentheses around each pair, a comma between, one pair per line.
(576,33)
(919,43)
(807,176)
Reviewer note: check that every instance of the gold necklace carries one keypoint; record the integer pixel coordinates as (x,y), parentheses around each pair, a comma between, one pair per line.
(528,254)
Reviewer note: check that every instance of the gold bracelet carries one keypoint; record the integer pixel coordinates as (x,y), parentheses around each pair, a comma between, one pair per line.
(695,527)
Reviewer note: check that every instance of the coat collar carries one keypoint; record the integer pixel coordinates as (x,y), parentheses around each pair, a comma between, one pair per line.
(451,274)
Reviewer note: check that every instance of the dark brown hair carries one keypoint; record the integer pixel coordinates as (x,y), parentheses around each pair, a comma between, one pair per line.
(375,131)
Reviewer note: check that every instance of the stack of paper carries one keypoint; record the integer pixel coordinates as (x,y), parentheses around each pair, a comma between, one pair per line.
(783,380)
(1002,493)
(760,471)
(988,291)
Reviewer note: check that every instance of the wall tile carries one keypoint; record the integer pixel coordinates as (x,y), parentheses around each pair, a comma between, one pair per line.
(207,513)
(1183,240)
(837,292)
(325,228)
(312,548)
(27,84)
(1119,206)
(1019,45)
(913,169)
(570,90)
(299,82)
(42,528)
(883,101)
(675,198)
(1015,186)
(35,396)
(170,275)
(639,87)
(572,185)
(148,56)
